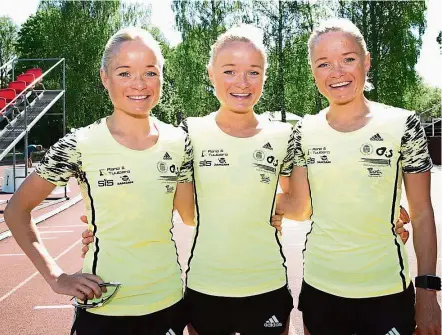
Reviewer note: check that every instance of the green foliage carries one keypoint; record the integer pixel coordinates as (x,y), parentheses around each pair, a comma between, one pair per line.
(77,31)
(424,99)
(8,37)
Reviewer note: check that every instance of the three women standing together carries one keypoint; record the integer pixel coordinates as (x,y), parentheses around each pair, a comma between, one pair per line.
(342,167)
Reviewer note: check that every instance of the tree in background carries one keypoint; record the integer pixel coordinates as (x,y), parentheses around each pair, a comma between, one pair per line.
(8,37)
(77,31)
(200,23)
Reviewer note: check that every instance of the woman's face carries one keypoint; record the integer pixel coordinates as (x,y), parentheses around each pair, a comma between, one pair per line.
(238,76)
(339,67)
(133,79)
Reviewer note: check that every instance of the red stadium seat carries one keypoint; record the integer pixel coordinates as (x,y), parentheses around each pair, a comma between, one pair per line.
(2,105)
(26,77)
(18,86)
(36,71)
(8,94)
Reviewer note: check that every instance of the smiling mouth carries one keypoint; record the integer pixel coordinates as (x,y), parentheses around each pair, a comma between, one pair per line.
(138,97)
(341,84)
(241,95)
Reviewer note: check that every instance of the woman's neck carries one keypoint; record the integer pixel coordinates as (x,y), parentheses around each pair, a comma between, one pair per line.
(126,125)
(350,116)
(226,118)
(355,109)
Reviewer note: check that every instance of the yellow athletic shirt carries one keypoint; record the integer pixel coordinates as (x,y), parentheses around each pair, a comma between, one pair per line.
(355,180)
(236,252)
(128,196)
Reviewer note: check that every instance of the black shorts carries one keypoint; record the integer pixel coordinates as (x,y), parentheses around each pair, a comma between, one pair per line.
(169,321)
(326,314)
(262,314)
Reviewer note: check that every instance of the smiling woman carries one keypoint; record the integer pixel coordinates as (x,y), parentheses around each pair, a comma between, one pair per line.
(351,158)
(131,169)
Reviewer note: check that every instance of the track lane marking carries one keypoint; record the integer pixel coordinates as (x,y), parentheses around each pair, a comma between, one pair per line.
(36,272)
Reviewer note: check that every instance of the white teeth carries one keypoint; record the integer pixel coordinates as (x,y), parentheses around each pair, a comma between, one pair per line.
(240,94)
(340,84)
(137,97)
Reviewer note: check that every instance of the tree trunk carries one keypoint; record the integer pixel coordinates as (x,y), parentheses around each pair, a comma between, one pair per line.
(281,61)
(374,51)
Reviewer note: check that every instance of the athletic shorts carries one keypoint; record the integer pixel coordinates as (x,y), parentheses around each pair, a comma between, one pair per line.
(169,321)
(262,314)
(326,314)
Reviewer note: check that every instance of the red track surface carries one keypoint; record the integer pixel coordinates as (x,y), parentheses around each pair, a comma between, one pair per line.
(18,313)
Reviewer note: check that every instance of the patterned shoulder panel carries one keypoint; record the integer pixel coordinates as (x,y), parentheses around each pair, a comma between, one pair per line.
(186,170)
(61,162)
(287,164)
(298,153)
(414,147)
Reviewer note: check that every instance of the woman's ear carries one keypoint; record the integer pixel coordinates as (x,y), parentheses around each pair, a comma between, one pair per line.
(104,78)
(210,73)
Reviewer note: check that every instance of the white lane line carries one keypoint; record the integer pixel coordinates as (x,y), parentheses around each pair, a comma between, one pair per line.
(48,238)
(43,217)
(36,273)
(6,255)
(66,226)
(56,231)
(54,307)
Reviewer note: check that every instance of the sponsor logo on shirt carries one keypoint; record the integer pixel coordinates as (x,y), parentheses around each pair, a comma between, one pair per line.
(217,158)
(125,180)
(265,179)
(119,171)
(273,322)
(318,155)
(169,189)
(259,155)
(376,161)
(162,167)
(384,151)
(105,183)
(167,157)
(267,146)
(366,149)
(376,137)
(373,172)
(221,162)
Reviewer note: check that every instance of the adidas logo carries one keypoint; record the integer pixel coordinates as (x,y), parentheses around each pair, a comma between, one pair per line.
(267,146)
(273,322)
(376,137)
(167,157)
(170,332)
(393,332)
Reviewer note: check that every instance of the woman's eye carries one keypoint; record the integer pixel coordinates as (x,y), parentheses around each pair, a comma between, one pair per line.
(254,73)
(322,65)
(151,74)
(124,74)
(349,60)
(229,72)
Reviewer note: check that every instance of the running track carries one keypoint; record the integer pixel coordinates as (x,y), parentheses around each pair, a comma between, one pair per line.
(28,305)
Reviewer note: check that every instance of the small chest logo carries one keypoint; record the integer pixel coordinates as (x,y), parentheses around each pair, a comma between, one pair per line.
(169,189)
(265,179)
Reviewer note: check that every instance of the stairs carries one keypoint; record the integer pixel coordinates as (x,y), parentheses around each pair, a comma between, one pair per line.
(16,130)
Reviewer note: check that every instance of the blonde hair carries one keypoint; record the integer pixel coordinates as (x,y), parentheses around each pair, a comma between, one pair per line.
(342,25)
(242,33)
(130,34)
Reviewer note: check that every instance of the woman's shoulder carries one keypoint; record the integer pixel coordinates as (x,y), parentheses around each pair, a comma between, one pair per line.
(389,112)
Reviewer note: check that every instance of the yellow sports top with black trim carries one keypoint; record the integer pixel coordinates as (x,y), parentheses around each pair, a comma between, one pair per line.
(236,252)
(128,195)
(355,180)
